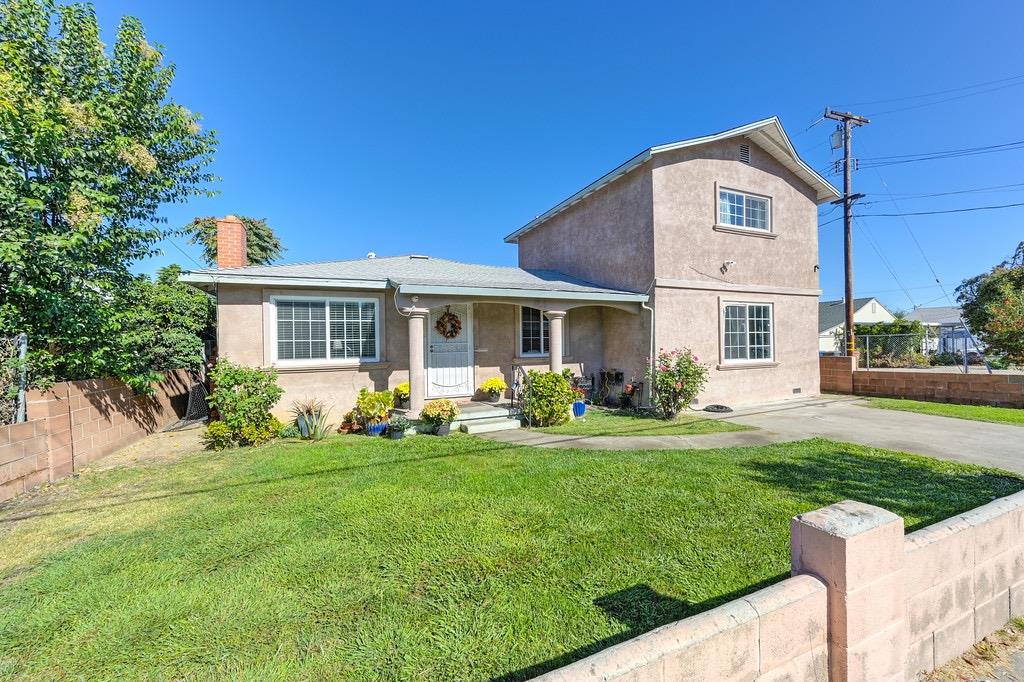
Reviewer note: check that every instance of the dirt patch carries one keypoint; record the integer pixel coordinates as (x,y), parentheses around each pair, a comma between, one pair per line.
(162,447)
(1000,656)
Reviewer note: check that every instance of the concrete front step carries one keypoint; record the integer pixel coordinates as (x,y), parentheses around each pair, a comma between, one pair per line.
(489,425)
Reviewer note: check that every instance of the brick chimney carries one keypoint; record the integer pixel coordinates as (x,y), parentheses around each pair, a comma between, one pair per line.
(231,243)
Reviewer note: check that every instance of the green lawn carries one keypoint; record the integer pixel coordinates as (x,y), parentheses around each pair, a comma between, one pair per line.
(603,422)
(423,559)
(981,413)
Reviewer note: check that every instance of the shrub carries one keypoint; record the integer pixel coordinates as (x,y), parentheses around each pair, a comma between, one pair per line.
(402,391)
(290,431)
(218,436)
(242,397)
(676,378)
(373,407)
(258,433)
(494,385)
(439,412)
(549,398)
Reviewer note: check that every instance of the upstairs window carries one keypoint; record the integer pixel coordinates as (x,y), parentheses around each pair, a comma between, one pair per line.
(336,329)
(743,210)
(748,332)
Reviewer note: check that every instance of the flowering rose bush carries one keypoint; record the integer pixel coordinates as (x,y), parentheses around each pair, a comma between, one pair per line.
(676,377)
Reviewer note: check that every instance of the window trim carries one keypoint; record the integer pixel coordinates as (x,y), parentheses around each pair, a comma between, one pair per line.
(545,352)
(718,225)
(326,361)
(745,362)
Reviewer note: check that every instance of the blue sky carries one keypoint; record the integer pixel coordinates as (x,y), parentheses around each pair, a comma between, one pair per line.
(441,127)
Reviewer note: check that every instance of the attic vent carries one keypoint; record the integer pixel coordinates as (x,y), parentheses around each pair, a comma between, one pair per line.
(745,153)
(419,257)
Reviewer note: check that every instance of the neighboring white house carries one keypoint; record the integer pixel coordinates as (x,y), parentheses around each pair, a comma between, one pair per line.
(946,329)
(832,319)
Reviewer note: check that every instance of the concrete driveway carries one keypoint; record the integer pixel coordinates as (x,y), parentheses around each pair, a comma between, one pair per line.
(851,420)
(840,418)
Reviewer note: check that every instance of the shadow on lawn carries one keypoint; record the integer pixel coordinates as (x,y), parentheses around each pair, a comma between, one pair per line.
(912,487)
(641,609)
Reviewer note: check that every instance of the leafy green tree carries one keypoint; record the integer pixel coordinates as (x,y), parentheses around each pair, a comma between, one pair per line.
(91,145)
(993,306)
(262,245)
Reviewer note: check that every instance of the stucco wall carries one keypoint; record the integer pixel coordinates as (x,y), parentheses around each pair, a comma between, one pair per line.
(692,318)
(686,245)
(244,336)
(606,238)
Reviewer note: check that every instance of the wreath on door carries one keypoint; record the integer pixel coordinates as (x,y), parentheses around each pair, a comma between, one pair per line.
(448,325)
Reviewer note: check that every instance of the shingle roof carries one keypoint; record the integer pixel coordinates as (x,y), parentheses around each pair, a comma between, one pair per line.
(831,314)
(412,270)
(936,315)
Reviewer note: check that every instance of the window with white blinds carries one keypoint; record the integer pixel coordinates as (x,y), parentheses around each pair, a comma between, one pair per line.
(337,329)
(747,333)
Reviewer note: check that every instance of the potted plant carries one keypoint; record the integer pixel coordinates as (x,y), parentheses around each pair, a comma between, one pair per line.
(349,423)
(397,427)
(373,408)
(495,388)
(402,395)
(440,414)
(579,405)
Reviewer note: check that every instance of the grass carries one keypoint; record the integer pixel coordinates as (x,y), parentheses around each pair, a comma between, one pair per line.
(981,413)
(419,559)
(602,422)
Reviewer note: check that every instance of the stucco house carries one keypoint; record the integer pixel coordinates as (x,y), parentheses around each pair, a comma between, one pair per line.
(708,243)
(832,319)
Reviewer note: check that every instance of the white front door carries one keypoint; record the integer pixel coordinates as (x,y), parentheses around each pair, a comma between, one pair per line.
(450,361)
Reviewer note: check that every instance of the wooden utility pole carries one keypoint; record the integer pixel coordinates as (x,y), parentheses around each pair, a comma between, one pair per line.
(848,121)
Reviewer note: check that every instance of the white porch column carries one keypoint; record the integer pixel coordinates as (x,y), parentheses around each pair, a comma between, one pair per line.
(556,319)
(417,371)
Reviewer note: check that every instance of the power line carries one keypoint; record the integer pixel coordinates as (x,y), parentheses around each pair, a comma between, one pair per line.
(936,93)
(916,242)
(947,99)
(964,151)
(952,210)
(187,255)
(885,261)
(1015,187)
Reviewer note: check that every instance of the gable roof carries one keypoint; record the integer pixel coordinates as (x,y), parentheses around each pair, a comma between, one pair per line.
(416,274)
(943,314)
(832,314)
(767,133)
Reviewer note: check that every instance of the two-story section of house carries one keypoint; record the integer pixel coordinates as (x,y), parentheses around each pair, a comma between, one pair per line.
(721,233)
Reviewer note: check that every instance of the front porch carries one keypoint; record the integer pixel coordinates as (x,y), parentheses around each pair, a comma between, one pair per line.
(457,342)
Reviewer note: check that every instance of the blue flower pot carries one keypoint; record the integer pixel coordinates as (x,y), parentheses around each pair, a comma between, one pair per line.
(376,429)
(579,408)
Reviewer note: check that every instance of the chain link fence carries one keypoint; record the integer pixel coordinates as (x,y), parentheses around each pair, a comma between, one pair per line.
(12,378)
(953,348)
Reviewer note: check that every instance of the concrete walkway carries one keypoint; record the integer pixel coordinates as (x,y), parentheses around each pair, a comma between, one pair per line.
(837,417)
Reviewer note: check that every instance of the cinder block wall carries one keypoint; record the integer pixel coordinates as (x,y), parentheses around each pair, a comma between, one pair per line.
(840,375)
(867,603)
(77,422)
